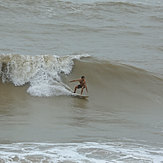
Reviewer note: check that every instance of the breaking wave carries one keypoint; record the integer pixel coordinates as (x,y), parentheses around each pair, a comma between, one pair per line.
(41,72)
(48,75)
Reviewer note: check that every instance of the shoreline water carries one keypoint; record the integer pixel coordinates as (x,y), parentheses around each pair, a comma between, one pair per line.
(81,152)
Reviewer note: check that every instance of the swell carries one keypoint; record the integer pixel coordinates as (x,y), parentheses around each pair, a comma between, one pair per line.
(107,70)
(118,83)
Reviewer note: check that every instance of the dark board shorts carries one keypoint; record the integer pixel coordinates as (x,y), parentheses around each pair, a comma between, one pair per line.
(79,86)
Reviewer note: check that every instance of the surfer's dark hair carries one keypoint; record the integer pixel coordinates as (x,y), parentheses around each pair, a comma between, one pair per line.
(83,77)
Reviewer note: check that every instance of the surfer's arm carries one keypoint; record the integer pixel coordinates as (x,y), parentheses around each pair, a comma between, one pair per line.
(74,80)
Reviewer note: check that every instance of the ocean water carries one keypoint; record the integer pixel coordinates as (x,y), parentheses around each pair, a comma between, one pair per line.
(117,45)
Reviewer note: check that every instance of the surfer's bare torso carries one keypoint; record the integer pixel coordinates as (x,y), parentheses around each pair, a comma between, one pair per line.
(82,84)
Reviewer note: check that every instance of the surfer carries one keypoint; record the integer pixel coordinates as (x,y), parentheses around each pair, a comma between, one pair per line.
(82,84)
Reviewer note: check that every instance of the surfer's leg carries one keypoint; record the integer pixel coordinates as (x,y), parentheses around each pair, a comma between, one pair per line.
(75,89)
(82,90)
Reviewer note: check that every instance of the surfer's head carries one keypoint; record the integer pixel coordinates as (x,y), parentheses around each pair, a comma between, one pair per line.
(83,77)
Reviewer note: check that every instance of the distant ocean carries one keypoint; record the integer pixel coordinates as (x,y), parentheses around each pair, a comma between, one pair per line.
(117,45)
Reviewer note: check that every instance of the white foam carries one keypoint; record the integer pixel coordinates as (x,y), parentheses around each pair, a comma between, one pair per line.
(41,72)
(92,152)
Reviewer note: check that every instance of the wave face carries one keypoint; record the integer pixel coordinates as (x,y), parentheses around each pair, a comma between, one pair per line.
(80,152)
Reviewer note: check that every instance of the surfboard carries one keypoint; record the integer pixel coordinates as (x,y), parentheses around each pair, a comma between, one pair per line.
(80,96)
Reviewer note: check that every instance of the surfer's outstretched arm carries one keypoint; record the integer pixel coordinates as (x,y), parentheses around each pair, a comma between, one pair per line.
(75,80)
